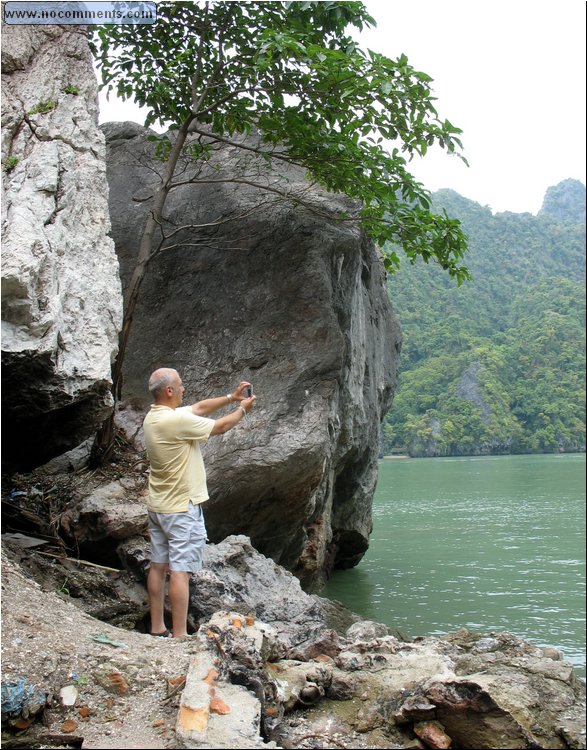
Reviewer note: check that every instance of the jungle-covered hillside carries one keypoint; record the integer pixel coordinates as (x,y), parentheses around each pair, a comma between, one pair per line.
(496,365)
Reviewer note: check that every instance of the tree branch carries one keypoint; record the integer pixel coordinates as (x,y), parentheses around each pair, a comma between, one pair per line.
(283,155)
(283,194)
(211,224)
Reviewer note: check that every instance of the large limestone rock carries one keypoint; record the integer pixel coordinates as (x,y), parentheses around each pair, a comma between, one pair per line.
(61,294)
(284,297)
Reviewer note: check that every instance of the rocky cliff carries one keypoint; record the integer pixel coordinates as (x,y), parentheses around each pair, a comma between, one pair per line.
(61,294)
(279,294)
(565,202)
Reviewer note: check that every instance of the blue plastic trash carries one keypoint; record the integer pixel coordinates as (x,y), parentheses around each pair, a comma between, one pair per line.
(20,698)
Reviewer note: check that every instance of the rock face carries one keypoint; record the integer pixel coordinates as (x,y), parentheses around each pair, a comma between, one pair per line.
(61,294)
(281,295)
(468,388)
(286,298)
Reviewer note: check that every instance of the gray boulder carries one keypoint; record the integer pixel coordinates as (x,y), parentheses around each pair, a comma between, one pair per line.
(285,296)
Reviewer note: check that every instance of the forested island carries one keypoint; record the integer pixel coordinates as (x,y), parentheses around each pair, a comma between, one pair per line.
(497,365)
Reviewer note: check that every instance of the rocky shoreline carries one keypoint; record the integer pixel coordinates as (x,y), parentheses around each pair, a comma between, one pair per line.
(268,665)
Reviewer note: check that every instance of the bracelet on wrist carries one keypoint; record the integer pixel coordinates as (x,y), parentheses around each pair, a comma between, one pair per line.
(244,411)
(229,397)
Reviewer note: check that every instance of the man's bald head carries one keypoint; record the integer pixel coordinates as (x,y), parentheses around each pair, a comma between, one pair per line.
(161,379)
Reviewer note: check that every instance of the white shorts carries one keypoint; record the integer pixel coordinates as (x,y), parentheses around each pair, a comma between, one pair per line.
(178,539)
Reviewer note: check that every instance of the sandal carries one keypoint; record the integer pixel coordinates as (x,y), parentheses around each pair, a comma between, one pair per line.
(164,634)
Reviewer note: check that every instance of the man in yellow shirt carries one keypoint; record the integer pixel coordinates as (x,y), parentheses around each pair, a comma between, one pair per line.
(177,488)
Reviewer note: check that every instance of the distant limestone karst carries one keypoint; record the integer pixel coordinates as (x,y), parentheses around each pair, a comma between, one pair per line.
(565,202)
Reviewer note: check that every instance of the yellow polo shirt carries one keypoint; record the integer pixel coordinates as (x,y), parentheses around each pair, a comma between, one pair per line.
(178,475)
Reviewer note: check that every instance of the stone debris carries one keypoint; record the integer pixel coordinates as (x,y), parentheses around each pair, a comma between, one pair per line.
(287,681)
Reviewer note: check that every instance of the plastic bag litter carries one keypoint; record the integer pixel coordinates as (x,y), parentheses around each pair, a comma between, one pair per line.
(101,638)
(20,698)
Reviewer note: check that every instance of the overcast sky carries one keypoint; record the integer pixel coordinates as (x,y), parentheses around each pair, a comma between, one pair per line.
(510,74)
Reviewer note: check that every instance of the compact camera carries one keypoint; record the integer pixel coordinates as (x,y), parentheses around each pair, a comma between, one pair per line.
(248,391)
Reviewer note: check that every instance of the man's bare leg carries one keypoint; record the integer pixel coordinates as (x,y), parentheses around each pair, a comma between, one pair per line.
(179,596)
(156,591)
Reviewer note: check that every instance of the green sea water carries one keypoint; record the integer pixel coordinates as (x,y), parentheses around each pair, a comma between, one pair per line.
(489,543)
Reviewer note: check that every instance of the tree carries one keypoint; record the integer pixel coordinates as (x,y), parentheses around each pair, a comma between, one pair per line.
(289,71)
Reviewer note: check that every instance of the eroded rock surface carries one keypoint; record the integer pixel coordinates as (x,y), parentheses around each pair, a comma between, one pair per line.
(61,292)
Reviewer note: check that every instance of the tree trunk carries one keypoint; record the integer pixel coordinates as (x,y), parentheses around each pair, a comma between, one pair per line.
(104,441)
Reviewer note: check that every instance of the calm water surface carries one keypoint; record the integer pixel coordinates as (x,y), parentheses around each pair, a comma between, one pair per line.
(492,543)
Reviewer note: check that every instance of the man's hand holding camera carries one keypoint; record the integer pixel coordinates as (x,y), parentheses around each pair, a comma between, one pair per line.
(243,394)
